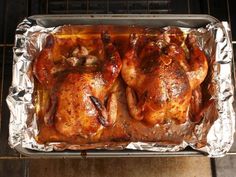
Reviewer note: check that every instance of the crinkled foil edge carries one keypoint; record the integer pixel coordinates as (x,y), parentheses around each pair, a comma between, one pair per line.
(221,135)
(219,138)
(20,98)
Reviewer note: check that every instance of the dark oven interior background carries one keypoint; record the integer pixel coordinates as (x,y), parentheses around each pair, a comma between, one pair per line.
(13,11)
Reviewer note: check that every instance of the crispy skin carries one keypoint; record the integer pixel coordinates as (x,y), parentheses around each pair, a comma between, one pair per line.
(161,77)
(157,89)
(51,58)
(81,110)
(76,114)
(165,93)
(77,102)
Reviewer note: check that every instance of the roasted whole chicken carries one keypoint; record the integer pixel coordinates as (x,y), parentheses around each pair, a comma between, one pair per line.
(81,103)
(161,76)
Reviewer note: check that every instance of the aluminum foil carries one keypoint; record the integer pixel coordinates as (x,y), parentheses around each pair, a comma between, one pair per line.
(214,39)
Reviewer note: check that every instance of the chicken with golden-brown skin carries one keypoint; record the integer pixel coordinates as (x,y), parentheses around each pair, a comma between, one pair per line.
(51,59)
(160,80)
(81,101)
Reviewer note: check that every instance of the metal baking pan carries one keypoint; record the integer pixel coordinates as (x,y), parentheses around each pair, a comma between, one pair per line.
(182,20)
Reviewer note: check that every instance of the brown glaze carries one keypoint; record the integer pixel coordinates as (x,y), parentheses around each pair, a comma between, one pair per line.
(81,99)
(160,79)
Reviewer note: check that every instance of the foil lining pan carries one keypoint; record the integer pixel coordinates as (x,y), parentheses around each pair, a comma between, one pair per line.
(214,39)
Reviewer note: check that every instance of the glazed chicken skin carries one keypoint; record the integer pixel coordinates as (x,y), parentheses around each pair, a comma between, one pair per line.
(65,53)
(160,80)
(78,99)
(51,59)
(81,110)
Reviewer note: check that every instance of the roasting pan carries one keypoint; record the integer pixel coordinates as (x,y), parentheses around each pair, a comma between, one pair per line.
(182,20)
